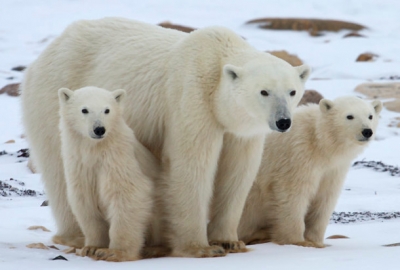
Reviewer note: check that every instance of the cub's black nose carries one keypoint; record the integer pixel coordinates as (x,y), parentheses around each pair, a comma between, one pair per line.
(283,124)
(367,133)
(99,131)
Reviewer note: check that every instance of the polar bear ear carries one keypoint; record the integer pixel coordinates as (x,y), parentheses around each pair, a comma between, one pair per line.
(325,105)
(304,72)
(377,104)
(64,94)
(119,94)
(232,71)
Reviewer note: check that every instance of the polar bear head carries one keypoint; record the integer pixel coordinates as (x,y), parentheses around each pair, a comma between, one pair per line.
(260,95)
(350,118)
(90,111)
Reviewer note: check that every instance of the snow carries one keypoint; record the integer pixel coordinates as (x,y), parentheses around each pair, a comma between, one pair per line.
(27,27)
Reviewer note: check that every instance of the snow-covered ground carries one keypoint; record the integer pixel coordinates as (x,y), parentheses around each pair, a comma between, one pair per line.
(27,27)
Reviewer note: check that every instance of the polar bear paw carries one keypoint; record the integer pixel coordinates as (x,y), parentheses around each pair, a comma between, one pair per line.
(231,246)
(111,255)
(309,244)
(87,251)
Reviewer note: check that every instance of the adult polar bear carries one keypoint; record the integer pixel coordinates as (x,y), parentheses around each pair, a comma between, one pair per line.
(196,101)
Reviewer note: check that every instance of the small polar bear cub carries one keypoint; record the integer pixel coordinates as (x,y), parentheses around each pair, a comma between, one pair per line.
(108,193)
(302,172)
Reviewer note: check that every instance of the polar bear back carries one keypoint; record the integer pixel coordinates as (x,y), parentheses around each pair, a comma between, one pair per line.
(151,63)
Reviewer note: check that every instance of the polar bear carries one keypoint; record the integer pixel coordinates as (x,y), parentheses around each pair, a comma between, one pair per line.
(109,194)
(302,172)
(200,102)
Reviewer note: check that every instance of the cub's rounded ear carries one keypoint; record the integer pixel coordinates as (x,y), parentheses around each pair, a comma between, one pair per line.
(232,71)
(304,72)
(325,105)
(119,94)
(64,94)
(377,104)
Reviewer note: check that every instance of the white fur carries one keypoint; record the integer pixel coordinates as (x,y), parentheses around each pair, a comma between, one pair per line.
(193,100)
(302,172)
(108,193)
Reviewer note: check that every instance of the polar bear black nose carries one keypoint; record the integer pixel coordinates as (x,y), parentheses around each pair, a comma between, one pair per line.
(99,131)
(283,124)
(367,133)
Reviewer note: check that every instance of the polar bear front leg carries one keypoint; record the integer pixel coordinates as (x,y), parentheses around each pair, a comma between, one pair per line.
(288,226)
(322,206)
(191,157)
(85,209)
(129,208)
(293,193)
(237,169)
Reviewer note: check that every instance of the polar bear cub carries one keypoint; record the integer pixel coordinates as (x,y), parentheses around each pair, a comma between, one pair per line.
(108,193)
(302,172)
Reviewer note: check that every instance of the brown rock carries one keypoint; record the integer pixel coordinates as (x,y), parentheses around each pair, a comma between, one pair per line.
(59,257)
(315,33)
(53,247)
(178,27)
(382,91)
(337,236)
(310,96)
(11,89)
(19,68)
(366,57)
(32,228)
(10,141)
(290,58)
(379,90)
(37,245)
(45,203)
(353,34)
(393,106)
(313,26)
(392,245)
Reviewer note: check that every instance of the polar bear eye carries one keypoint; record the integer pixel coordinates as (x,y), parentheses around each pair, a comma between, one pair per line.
(370,117)
(264,93)
(107,111)
(350,117)
(293,93)
(85,111)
